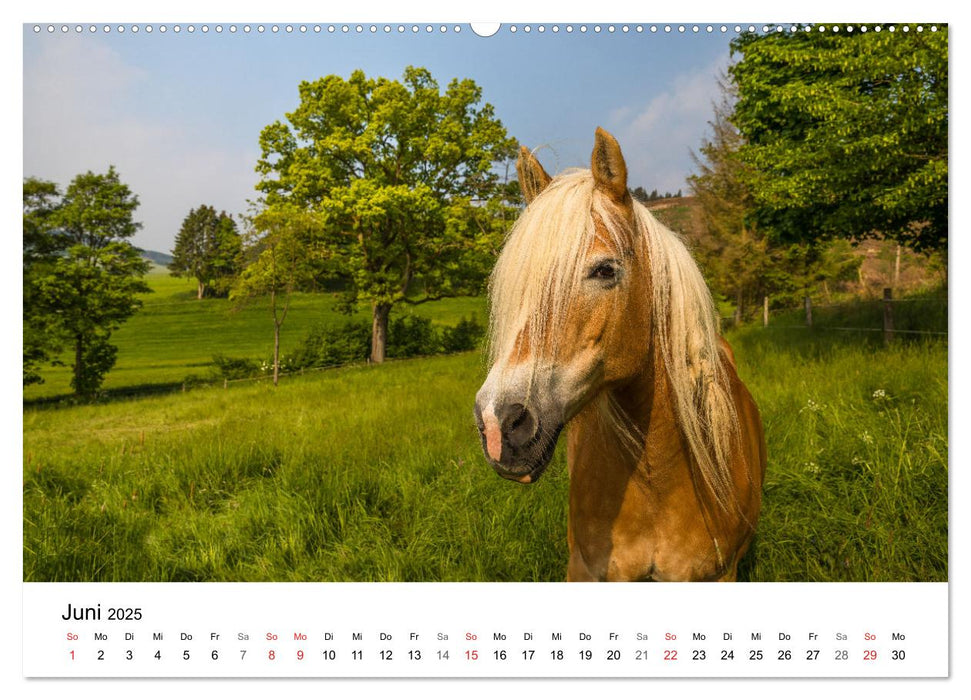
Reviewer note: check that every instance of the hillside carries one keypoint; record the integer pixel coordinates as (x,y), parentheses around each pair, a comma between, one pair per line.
(161,259)
(877,270)
(174,336)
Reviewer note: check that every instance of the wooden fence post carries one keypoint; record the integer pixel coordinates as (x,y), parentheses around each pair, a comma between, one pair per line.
(887,315)
(809,312)
(765,311)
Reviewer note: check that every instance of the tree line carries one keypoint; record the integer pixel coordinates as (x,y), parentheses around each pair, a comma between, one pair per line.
(398,192)
(392,191)
(643,196)
(822,140)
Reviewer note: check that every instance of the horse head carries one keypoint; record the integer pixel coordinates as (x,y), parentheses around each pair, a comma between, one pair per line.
(570,304)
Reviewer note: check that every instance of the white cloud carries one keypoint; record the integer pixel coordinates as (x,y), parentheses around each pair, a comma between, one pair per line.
(81,113)
(657,137)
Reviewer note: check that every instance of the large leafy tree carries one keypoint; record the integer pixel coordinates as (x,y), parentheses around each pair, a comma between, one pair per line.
(402,177)
(207,249)
(41,339)
(846,134)
(89,287)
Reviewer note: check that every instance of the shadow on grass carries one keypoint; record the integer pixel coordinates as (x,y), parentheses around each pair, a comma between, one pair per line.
(125,393)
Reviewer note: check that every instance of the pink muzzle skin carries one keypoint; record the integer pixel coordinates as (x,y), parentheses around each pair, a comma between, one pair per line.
(493,436)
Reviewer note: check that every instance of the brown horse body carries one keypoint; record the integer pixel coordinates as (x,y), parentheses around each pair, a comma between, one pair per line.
(649,516)
(601,320)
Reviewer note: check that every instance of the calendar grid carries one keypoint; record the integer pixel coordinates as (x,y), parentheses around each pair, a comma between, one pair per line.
(485,630)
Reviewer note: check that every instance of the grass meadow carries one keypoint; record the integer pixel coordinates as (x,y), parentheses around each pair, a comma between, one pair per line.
(376,474)
(174,336)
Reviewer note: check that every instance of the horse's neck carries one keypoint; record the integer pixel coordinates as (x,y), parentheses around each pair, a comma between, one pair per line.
(628,507)
(648,405)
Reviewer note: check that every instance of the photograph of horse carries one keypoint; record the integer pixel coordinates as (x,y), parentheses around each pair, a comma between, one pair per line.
(601,319)
(299,306)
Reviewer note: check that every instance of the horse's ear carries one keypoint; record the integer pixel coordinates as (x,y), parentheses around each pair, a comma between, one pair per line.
(532,178)
(608,166)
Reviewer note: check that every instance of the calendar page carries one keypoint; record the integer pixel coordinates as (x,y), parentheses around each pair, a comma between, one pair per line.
(416,349)
(470,630)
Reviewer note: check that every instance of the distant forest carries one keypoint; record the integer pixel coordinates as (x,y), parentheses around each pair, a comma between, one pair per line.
(642,195)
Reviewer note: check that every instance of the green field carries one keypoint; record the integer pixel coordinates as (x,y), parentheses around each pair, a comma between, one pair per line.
(175,335)
(376,474)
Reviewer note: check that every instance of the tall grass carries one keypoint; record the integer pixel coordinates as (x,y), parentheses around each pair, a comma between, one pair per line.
(356,474)
(857,433)
(376,474)
(918,314)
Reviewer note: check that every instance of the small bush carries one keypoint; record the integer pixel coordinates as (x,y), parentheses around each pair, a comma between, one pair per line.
(235,367)
(411,336)
(408,336)
(465,335)
(191,381)
(98,357)
(325,346)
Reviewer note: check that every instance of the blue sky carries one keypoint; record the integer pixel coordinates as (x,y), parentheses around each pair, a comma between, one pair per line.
(179,115)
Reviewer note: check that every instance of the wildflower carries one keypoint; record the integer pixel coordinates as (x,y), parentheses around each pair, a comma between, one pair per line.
(879,394)
(811,467)
(812,407)
(866,437)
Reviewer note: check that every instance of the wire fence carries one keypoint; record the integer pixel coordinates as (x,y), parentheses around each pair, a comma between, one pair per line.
(268,374)
(200,382)
(888,316)
(815,316)
(891,317)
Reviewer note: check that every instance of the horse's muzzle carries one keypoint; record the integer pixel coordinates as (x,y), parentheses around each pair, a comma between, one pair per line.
(518,442)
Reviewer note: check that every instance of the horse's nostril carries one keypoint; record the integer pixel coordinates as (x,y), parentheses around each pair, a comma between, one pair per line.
(510,416)
(518,424)
(519,415)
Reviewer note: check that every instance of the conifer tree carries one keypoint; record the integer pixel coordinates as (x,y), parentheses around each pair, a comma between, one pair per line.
(207,249)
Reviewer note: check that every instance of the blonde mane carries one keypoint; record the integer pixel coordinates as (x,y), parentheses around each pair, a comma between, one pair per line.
(539,271)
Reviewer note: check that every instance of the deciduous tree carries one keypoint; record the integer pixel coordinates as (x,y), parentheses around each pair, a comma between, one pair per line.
(90,286)
(41,339)
(846,134)
(400,175)
(278,264)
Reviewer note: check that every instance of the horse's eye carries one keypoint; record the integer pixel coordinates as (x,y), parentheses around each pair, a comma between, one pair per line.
(603,271)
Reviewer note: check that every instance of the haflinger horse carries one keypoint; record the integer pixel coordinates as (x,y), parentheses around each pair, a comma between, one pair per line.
(601,319)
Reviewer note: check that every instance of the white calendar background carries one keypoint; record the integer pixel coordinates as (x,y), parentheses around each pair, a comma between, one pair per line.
(486,630)
(919,611)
